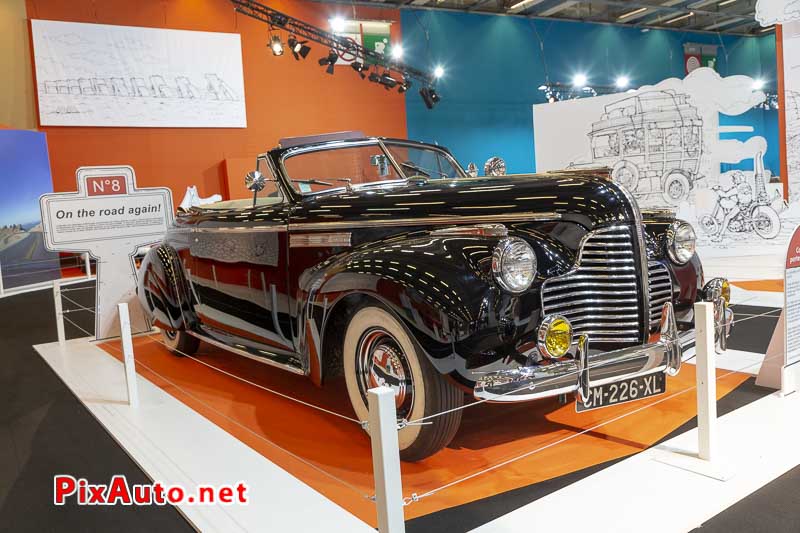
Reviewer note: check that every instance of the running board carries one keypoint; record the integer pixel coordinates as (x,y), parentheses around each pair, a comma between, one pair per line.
(256,354)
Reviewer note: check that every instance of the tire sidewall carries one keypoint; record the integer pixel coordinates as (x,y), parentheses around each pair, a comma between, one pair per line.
(361,321)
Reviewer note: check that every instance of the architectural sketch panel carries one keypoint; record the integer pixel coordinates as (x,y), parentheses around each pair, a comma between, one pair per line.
(102,75)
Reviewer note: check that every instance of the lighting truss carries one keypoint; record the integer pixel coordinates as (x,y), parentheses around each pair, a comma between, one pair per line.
(343,46)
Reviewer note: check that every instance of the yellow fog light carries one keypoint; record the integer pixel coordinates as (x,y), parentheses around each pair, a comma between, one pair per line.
(717,288)
(555,336)
(725,291)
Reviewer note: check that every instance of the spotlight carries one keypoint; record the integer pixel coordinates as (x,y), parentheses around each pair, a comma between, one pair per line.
(438,72)
(405,86)
(429,96)
(358,66)
(337,24)
(298,48)
(329,60)
(276,45)
(758,84)
(397,51)
(579,80)
(374,77)
(387,81)
(622,82)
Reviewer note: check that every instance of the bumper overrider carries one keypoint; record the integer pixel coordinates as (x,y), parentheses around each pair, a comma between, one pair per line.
(583,371)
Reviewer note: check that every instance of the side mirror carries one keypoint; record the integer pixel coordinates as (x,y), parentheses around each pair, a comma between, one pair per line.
(472,170)
(255,181)
(495,166)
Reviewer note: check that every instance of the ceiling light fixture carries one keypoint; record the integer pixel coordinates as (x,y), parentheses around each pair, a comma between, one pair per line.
(299,48)
(405,86)
(725,3)
(579,80)
(519,4)
(337,24)
(276,45)
(397,51)
(329,60)
(758,84)
(622,82)
(429,96)
(632,13)
(676,19)
(359,67)
(768,28)
(438,72)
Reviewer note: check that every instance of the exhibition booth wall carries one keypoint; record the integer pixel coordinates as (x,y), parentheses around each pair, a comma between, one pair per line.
(496,64)
(284,97)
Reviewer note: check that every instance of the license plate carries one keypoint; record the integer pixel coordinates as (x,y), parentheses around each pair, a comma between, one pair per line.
(623,391)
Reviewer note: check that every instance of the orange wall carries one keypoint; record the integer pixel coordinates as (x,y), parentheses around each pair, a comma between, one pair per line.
(284,97)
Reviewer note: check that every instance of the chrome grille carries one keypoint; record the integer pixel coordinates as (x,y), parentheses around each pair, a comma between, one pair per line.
(660,291)
(601,295)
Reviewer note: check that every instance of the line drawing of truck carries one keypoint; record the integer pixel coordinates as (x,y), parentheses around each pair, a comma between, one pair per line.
(653,143)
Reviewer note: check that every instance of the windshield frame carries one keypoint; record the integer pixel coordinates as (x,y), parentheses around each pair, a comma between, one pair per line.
(382,143)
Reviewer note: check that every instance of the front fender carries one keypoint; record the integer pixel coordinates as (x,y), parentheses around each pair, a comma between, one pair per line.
(441,288)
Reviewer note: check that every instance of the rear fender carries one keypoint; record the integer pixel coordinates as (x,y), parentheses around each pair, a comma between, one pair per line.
(164,291)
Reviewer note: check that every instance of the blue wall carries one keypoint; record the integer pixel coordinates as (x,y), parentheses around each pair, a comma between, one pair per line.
(495,64)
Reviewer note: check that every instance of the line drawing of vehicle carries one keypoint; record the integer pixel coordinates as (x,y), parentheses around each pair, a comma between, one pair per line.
(652,141)
(739,210)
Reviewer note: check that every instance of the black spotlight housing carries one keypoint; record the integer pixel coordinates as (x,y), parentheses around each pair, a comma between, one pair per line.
(374,77)
(387,81)
(329,60)
(429,96)
(299,48)
(405,86)
(359,67)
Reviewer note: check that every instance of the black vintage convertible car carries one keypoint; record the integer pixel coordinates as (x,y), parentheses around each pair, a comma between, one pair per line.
(383,260)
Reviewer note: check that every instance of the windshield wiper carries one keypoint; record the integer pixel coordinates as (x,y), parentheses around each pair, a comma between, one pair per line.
(313,182)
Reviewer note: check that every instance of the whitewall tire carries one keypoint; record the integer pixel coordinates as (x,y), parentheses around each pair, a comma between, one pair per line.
(379,351)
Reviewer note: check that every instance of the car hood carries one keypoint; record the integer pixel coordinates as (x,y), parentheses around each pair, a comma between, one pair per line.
(587,199)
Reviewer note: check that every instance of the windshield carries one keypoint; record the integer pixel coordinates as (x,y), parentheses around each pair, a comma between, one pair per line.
(365,163)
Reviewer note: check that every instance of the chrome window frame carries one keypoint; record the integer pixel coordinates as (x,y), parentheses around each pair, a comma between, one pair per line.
(338,145)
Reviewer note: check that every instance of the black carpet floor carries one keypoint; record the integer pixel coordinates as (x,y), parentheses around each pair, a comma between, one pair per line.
(45,430)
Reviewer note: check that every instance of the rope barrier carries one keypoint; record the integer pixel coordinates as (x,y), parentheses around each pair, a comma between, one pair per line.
(267,389)
(416,497)
(76,325)
(73,302)
(251,431)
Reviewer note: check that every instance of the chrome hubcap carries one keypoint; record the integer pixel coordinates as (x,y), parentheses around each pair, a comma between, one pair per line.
(380,361)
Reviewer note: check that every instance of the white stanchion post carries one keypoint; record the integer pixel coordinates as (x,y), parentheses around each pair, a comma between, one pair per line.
(706,381)
(87,265)
(127,350)
(59,312)
(386,460)
(2,289)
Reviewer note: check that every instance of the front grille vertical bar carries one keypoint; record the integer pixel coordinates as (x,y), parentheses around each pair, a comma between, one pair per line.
(645,278)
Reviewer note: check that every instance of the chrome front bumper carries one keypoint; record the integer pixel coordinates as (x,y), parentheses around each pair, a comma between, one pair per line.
(584,371)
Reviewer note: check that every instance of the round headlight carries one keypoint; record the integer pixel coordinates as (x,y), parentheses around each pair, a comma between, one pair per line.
(514,264)
(554,336)
(681,241)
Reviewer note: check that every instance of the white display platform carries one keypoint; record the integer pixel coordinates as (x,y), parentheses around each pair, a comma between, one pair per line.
(175,445)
